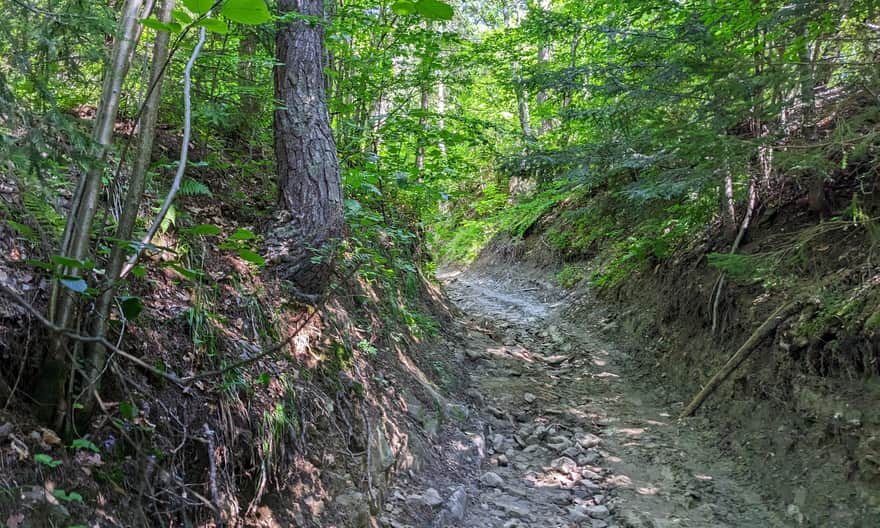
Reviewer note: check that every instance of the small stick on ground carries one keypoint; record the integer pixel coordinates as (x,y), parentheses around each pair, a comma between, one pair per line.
(736,359)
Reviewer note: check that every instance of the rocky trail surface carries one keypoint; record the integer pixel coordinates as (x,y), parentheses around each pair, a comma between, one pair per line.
(563,431)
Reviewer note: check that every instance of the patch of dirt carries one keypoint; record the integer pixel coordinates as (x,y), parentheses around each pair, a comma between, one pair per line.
(561,431)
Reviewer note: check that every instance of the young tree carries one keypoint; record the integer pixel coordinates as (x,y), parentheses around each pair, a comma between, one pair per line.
(308,168)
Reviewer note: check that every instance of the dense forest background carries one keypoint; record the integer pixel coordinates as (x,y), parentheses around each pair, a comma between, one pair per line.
(184,185)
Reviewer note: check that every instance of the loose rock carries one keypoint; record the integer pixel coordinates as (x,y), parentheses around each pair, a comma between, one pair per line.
(491,480)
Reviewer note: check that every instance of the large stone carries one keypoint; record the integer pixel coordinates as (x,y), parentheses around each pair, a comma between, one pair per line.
(598,512)
(431,497)
(456,507)
(559,443)
(491,480)
(587,440)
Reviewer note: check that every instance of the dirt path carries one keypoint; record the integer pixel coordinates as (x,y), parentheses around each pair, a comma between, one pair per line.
(562,433)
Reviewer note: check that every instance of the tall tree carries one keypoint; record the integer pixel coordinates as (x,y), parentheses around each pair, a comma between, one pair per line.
(308,168)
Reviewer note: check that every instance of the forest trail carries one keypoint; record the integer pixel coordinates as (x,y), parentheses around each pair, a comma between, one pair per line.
(564,432)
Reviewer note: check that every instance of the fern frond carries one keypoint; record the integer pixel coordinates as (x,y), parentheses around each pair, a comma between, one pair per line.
(43,213)
(190,187)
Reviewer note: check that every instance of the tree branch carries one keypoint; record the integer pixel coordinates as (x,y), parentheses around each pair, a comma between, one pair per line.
(184,154)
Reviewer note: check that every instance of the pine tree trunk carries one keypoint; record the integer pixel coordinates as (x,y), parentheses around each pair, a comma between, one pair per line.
(308,168)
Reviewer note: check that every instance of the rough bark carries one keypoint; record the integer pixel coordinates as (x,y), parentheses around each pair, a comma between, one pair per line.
(308,169)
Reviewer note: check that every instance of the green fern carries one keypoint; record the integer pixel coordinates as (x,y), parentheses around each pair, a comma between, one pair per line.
(190,187)
(42,212)
(741,267)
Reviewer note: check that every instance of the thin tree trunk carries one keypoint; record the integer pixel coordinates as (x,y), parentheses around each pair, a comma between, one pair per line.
(423,125)
(128,217)
(522,104)
(77,232)
(308,169)
(728,207)
(441,111)
(249,103)
(541,99)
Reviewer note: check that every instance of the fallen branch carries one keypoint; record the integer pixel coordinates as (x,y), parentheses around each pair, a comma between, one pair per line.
(736,359)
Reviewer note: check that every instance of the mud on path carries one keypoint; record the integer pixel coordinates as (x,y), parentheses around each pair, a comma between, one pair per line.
(562,431)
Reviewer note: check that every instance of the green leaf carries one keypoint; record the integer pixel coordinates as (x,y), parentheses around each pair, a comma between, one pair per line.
(74,283)
(434,9)
(199,7)
(40,264)
(404,7)
(251,256)
(251,12)
(158,25)
(47,460)
(127,410)
(71,497)
(139,271)
(215,26)
(203,230)
(186,272)
(264,379)
(181,16)
(72,263)
(84,443)
(131,307)
(242,234)
(22,230)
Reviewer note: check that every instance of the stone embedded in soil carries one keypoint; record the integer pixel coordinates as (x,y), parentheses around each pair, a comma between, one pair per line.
(572,452)
(592,475)
(598,512)
(502,460)
(491,480)
(430,498)
(455,508)
(473,353)
(513,507)
(578,514)
(559,443)
(587,440)
(529,397)
(564,465)
(589,458)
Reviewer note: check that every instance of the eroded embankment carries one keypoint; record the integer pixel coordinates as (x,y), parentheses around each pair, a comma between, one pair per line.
(799,416)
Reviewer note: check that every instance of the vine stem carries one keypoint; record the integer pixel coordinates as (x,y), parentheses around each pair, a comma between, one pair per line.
(184,154)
